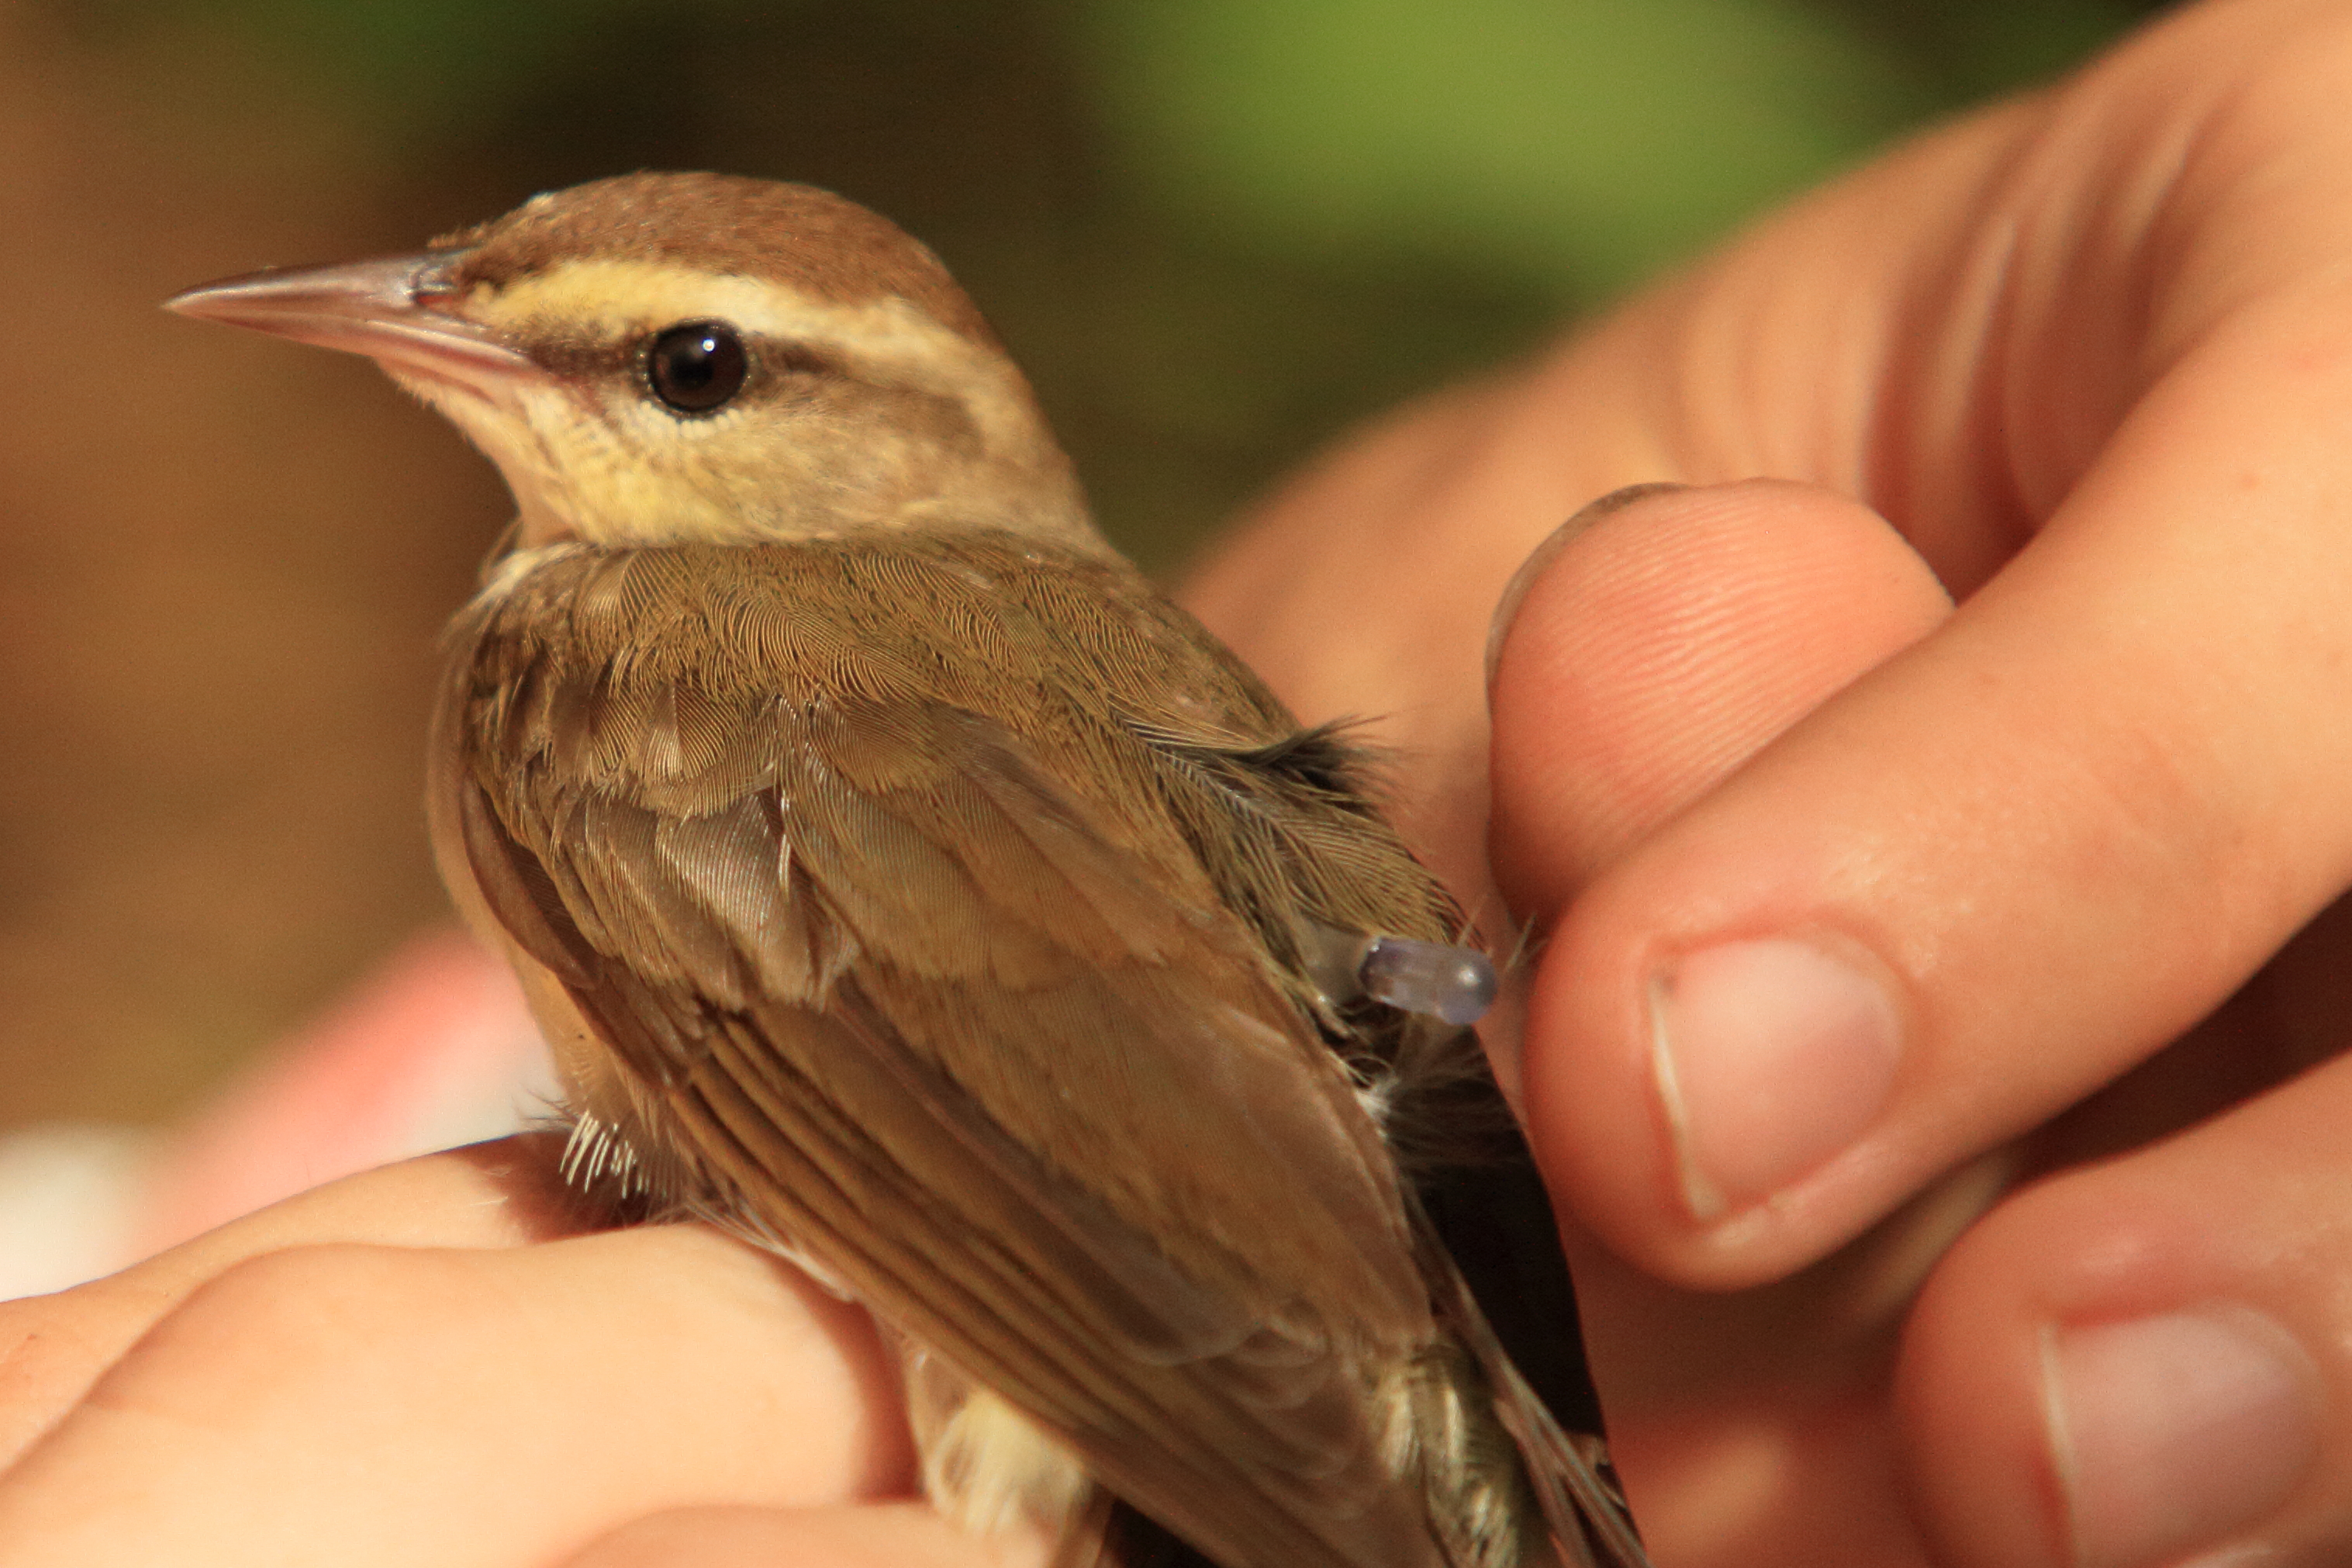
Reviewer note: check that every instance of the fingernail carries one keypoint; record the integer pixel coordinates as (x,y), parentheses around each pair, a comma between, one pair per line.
(1507,608)
(1771,1056)
(2173,1432)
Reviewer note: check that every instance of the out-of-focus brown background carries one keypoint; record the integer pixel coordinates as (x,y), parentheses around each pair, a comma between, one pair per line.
(1214,231)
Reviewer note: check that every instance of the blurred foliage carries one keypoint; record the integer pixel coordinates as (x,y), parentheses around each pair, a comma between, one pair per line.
(1575,146)
(1215,230)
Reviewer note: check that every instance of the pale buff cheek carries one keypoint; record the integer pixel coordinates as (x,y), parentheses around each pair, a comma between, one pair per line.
(634,475)
(628,475)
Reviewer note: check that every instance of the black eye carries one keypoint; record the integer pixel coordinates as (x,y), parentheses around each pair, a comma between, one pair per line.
(696,366)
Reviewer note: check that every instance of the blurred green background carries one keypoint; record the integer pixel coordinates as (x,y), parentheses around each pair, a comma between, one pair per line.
(1215,231)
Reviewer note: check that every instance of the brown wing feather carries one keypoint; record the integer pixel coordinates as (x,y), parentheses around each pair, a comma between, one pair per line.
(894,980)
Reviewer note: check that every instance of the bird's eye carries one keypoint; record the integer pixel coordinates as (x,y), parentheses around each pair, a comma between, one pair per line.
(696,366)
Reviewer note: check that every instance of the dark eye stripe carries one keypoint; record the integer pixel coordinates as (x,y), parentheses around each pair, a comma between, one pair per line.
(577,358)
(586,360)
(798,358)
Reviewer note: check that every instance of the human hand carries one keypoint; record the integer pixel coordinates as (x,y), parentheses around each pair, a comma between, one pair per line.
(1923,901)
(443,1361)
(2086,351)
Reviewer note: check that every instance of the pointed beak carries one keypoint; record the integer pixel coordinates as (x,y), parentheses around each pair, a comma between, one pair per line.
(387,309)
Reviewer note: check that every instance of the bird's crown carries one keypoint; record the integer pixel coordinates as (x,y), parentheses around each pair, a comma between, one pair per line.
(820,246)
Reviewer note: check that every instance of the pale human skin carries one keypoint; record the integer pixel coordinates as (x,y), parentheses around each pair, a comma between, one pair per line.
(2083,364)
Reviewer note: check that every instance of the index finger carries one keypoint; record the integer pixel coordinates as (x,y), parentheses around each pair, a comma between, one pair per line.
(2026,853)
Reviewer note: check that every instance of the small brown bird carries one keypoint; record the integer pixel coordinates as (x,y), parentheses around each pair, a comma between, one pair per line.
(906,885)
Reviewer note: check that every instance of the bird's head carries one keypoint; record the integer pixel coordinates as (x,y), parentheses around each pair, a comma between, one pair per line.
(663,358)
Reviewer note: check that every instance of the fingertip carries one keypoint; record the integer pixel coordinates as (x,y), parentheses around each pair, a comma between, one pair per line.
(1660,638)
(2142,1361)
(1968,1397)
(2078,1386)
(1669,636)
(1539,559)
(2053,834)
